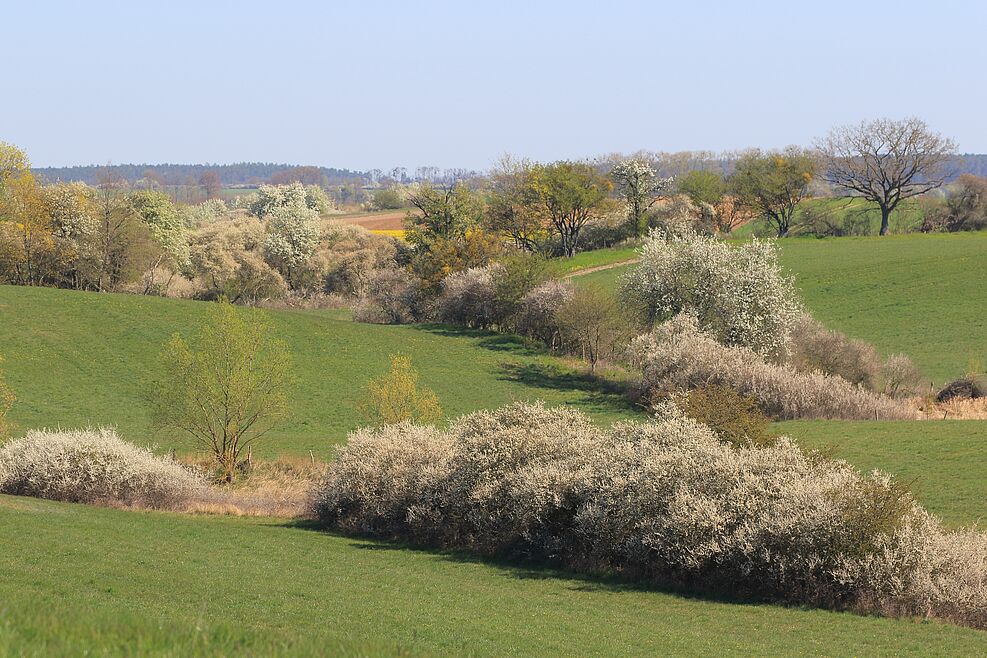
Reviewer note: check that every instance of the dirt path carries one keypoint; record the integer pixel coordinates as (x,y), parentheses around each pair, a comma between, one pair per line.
(600,268)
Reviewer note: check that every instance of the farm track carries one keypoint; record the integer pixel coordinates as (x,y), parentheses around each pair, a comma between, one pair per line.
(600,268)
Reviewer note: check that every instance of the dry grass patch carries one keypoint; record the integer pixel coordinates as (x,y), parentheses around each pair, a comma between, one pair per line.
(265,488)
(955,409)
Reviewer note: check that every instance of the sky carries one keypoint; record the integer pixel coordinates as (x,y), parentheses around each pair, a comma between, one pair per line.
(364,85)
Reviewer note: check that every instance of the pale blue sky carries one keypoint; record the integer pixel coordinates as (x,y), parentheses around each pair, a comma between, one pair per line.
(382,84)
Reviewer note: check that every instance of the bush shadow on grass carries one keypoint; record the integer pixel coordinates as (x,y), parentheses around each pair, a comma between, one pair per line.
(489,340)
(527,569)
(600,391)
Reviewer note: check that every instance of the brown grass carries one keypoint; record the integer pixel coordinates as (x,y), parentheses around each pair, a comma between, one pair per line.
(279,488)
(956,409)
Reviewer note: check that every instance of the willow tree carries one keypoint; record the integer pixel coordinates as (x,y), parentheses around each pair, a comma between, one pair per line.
(886,161)
(226,388)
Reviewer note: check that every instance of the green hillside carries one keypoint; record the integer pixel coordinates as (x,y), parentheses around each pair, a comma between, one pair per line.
(83,580)
(78,359)
(924,295)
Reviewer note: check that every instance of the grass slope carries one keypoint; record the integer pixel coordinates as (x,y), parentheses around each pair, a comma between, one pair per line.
(944,462)
(81,579)
(77,359)
(924,295)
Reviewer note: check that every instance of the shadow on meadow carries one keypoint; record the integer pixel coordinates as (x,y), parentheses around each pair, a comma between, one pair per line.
(524,569)
(507,343)
(601,394)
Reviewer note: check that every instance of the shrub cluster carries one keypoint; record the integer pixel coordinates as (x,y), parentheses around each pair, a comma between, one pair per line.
(390,296)
(734,417)
(738,294)
(679,356)
(92,466)
(664,502)
(816,348)
(469,298)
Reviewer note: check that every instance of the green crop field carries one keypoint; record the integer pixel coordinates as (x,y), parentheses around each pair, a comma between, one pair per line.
(81,580)
(924,295)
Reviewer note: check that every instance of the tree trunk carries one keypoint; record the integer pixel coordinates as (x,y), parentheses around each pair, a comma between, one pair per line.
(885,216)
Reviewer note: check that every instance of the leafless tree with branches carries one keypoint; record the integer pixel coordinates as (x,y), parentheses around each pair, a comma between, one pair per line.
(886,161)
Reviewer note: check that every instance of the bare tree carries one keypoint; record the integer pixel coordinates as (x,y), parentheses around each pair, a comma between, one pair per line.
(886,161)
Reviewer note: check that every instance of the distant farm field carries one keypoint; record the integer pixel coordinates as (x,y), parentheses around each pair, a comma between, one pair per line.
(387,220)
(924,295)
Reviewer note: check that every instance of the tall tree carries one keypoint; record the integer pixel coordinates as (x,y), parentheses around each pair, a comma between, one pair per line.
(442,213)
(641,187)
(886,161)
(572,193)
(514,209)
(209,180)
(773,184)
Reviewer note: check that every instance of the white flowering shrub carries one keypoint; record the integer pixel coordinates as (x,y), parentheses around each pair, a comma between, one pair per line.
(510,486)
(92,466)
(293,234)
(469,298)
(270,197)
(737,293)
(663,502)
(316,199)
(679,356)
(384,480)
(203,213)
(538,312)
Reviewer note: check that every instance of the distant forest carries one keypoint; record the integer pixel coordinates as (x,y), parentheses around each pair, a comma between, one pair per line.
(241,173)
(255,173)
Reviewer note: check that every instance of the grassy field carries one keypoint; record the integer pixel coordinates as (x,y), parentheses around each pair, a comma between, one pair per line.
(585,260)
(924,295)
(862,214)
(78,359)
(79,579)
(943,462)
(83,580)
